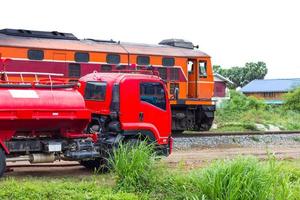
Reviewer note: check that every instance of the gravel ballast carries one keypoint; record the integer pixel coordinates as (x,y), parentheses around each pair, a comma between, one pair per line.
(181,143)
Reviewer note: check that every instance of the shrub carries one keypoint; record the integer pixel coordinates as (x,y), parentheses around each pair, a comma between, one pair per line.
(293,100)
(240,102)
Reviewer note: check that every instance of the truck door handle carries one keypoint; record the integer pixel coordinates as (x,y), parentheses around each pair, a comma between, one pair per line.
(141,116)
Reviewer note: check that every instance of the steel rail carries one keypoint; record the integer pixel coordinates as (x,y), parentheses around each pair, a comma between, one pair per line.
(245,133)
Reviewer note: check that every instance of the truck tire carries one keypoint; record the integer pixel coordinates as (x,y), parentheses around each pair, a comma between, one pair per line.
(99,165)
(2,162)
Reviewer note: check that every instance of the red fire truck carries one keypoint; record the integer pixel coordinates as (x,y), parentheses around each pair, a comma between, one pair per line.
(48,120)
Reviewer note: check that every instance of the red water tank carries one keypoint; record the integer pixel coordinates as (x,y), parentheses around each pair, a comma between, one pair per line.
(41,110)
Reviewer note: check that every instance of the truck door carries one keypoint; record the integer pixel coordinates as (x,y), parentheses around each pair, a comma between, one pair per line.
(154,106)
(144,103)
(192,78)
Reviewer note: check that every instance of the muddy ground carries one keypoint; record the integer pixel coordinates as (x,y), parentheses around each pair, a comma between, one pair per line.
(188,158)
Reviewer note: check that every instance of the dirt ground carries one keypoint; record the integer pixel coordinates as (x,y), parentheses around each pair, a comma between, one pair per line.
(201,157)
(188,158)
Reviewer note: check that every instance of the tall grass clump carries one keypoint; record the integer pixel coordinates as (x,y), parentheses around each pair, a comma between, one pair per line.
(243,178)
(133,166)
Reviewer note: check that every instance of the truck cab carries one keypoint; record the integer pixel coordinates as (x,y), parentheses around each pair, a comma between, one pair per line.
(128,106)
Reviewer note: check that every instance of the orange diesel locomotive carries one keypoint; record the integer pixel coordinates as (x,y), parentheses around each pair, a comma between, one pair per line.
(186,70)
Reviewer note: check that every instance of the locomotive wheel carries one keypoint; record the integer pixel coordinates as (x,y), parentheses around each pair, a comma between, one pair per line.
(206,124)
(2,162)
(99,164)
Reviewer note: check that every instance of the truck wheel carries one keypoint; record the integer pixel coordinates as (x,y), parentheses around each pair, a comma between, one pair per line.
(2,162)
(133,142)
(99,164)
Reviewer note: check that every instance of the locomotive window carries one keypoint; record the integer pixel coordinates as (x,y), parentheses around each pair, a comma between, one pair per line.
(202,69)
(113,58)
(168,61)
(95,91)
(106,68)
(162,73)
(190,66)
(174,75)
(143,60)
(154,94)
(82,57)
(35,54)
(74,70)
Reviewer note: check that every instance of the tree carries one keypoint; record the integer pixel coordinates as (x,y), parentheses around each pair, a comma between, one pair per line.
(241,76)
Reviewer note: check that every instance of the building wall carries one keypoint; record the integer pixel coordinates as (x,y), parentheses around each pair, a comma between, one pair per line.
(219,90)
(267,95)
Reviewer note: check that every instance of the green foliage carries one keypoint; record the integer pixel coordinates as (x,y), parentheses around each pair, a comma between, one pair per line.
(134,167)
(239,102)
(241,113)
(292,100)
(241,76)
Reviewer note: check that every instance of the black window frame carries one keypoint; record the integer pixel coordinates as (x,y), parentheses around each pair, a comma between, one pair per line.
(73,73)
(140,60)
(82,56)
(113,58)
(35,54)
(166,60)
(145,97)
(95,84)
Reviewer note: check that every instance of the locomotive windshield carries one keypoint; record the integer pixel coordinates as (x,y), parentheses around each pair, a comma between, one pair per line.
(95,91)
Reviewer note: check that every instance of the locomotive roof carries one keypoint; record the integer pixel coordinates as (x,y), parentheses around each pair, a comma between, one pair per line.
(91,45)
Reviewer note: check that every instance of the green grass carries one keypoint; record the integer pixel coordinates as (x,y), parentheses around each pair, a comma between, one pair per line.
(137,174)
(241,178)
(31,188)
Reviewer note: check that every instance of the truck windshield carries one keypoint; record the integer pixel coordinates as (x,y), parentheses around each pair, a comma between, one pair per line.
(95,91)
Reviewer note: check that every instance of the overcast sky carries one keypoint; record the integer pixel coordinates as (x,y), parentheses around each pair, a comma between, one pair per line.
(232,32)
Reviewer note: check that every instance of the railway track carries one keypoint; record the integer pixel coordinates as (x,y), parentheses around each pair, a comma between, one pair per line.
(213,134)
